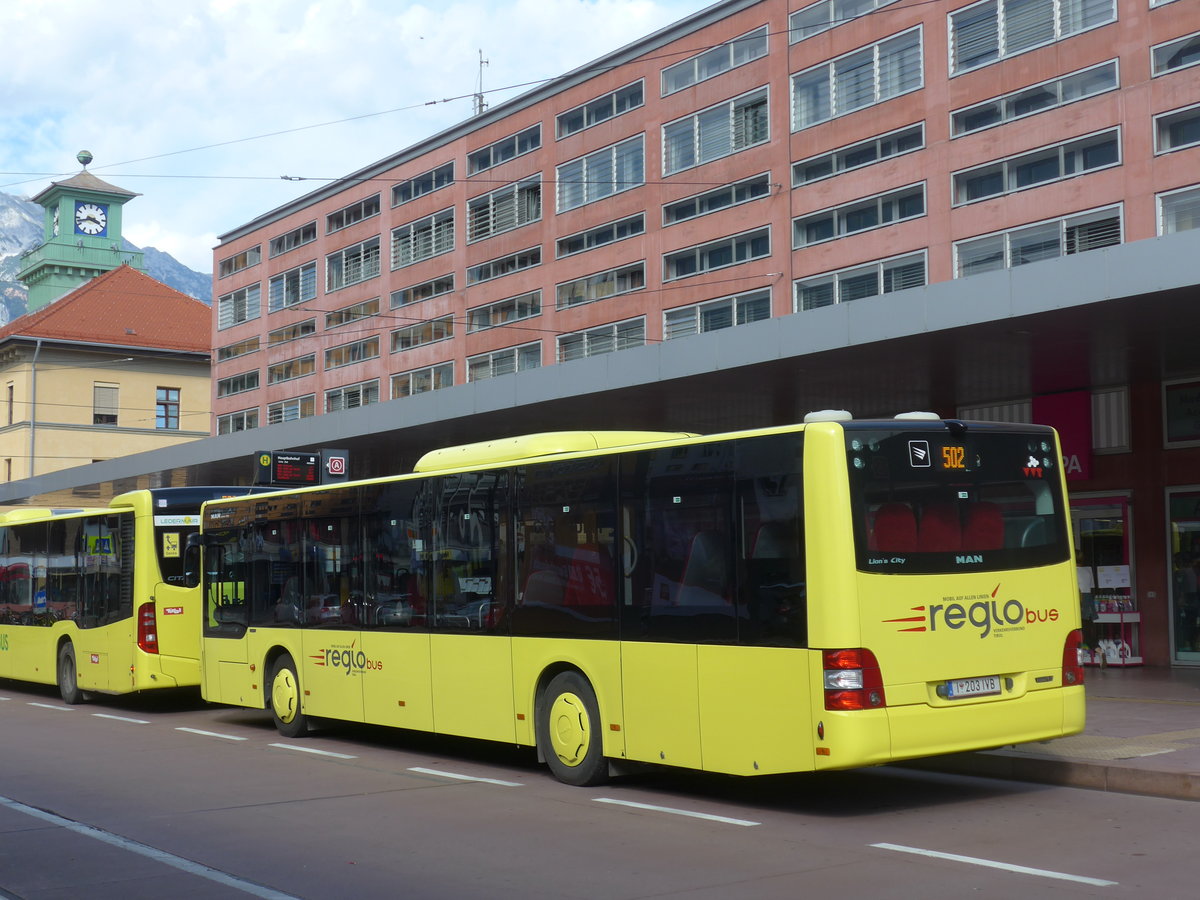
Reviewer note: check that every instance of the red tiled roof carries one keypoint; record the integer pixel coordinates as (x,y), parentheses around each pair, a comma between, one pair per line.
(124,307)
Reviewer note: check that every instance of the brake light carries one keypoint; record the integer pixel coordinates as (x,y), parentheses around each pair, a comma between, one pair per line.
(1072,666)
(852,680)
(147,628)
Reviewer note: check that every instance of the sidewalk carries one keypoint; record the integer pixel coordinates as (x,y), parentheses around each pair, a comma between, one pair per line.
(1142,737)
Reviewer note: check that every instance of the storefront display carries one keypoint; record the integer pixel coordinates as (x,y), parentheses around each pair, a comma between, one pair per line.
(1111,620)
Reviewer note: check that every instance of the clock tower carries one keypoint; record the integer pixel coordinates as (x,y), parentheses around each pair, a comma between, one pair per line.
(82,237)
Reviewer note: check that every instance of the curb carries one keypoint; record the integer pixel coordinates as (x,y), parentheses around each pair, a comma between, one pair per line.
(1066,772)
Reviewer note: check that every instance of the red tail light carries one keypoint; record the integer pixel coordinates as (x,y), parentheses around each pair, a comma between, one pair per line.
(147,636)
(853,680)
(1072,672)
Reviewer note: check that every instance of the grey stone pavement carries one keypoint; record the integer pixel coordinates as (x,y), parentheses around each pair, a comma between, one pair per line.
(1142,737)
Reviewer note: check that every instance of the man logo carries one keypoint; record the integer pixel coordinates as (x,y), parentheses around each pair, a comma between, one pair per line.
(918,455)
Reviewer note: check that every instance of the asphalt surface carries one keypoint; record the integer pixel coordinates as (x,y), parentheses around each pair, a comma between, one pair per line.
(1142,737)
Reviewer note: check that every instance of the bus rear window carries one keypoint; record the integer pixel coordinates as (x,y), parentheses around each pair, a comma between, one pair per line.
(941,501)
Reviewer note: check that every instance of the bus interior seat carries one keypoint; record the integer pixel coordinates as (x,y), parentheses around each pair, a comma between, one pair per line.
(893,529)
(1027,531)
(940,530)
(773,541)
(544,587)
(984,529)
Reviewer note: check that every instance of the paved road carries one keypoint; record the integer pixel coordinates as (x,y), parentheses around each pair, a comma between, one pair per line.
(166,796)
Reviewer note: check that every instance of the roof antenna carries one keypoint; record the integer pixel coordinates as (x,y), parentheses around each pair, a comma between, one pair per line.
(480,104)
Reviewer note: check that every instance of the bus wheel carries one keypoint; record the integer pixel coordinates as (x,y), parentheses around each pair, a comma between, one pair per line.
(285,699)
(569,731)
(68,678)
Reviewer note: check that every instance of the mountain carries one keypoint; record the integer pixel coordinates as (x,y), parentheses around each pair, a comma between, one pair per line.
(21,230)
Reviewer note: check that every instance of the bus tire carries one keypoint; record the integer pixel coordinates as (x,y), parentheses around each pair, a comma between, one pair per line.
(290,721)
(569,733)
(68,676)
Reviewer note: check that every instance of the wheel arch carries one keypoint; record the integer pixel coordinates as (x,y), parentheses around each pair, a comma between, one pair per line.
(272,656)
(548,674)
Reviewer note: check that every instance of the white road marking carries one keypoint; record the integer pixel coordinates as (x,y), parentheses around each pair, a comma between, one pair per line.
(170,859)
(992,864)
(677,812)
(121,719)
(54,707)
(224,737)
(314,751)
(458,777)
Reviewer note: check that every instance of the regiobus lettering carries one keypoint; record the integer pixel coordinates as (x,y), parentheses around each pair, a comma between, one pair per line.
(984,614)
(347,658)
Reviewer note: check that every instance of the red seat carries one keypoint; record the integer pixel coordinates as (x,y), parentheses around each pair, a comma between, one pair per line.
(893,529)
(940,530)
(984,529)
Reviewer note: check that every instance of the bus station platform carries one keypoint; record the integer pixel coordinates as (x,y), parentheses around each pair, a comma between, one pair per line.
(1142,737)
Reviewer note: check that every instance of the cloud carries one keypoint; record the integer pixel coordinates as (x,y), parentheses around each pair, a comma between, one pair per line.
(163,78)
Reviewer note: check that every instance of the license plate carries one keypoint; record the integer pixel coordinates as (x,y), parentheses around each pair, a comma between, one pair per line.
(973,687)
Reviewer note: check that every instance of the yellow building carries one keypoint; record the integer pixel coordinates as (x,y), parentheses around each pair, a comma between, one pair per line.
(118,365)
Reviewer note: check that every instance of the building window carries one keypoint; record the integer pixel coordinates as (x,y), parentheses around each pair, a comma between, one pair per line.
(716,200)
(291,410)
(1179,211)
(291,368)
(504,209)
(423,333)
(237,384)
(505,265)
(351,265)
(712,63)
(997,29)
(857,80)
(1043,240)
(351,395)
(423,239)
(355,313)
(293,286)
(600,110)
(1176,54)
(605,339)
(857,282)
(713,315)
(1174,131)
(861,215)
(239,261)
(1038,98)
(232,351)
(104,403)
(601,235)
(10,391)
(716,132)
(425,183)
(305,234)
(504,312)
(602,285)
(728,251)
(355,352)
(804,23)
(601,174)
(855,156)
(166,408)
(505,149)
(240,306)
(503,362)
(1043,166)
(291,332)
(352,214)
(418,381)
(433,288)
(242,420)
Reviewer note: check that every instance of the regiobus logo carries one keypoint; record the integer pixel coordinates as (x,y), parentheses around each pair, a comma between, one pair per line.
(353,661)
(983,612)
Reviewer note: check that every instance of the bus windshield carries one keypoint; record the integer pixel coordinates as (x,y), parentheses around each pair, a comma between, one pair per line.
(948,500)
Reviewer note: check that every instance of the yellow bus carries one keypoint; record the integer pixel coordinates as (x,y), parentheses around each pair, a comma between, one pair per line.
(832,594)
(96,600)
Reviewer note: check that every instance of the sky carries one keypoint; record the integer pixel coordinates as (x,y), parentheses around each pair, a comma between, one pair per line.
(208,107)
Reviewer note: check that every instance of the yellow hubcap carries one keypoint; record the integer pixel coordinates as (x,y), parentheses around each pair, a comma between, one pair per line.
(570,729)
(285,698)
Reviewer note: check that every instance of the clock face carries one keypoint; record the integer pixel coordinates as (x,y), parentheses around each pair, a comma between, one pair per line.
(56,221)
(91,218)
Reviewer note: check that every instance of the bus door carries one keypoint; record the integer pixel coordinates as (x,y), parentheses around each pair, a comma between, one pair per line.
(470,647)
(177,616)
(228,566)
(328,599)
